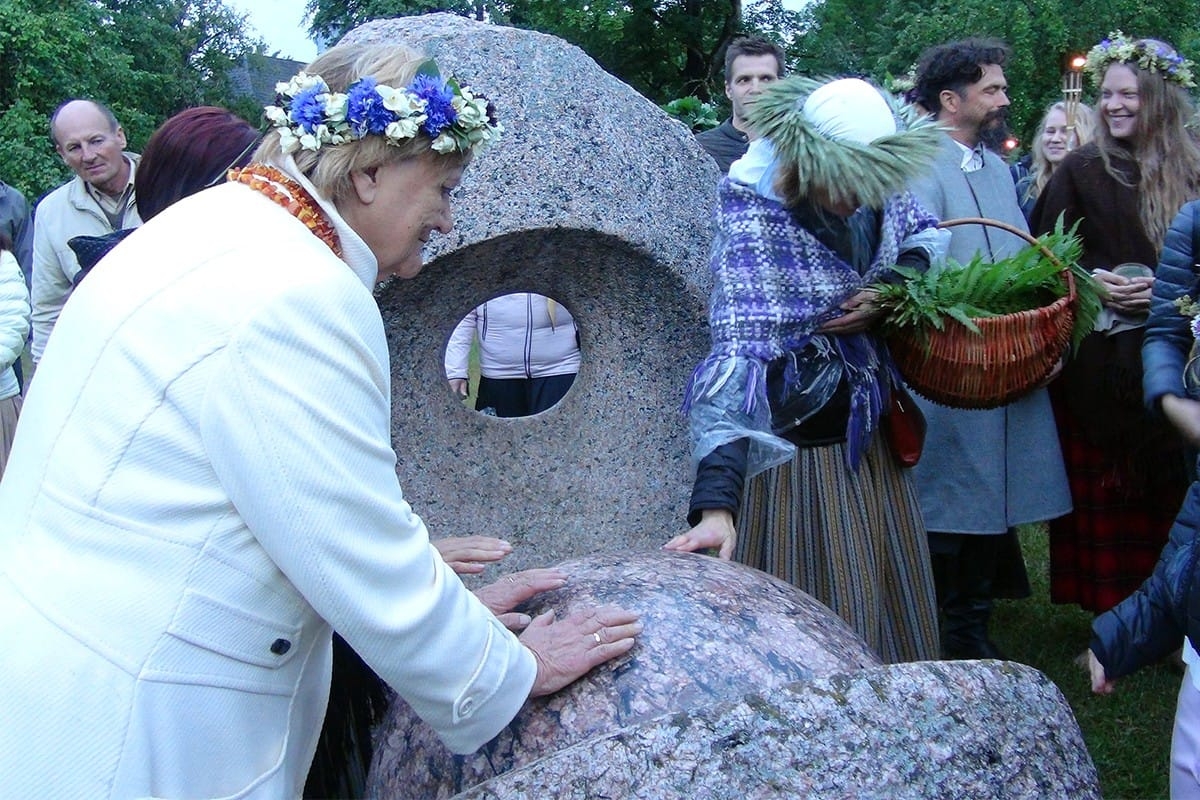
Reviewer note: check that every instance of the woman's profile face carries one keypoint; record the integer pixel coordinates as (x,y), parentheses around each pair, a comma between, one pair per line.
(397,207)
(1120,101)
(1055,139)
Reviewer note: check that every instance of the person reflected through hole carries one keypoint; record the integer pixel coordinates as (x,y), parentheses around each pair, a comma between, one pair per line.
(528,347)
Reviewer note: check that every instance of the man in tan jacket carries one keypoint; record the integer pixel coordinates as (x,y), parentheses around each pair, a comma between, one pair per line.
(98,200)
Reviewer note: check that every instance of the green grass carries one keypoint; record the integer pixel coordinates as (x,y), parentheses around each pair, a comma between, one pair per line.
(1128,732)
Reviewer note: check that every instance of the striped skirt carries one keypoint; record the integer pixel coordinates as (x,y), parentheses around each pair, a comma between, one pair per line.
(852,540)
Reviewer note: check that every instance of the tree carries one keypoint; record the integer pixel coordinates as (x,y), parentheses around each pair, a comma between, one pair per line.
(663,48)
(879,38)
(147,59)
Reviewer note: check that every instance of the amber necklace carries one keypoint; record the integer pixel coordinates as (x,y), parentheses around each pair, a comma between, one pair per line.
(277,186)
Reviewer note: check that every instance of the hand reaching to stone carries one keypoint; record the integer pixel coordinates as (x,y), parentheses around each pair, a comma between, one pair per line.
(1100,682)
(470,555)
(715,530)
(512,590)
(569,648)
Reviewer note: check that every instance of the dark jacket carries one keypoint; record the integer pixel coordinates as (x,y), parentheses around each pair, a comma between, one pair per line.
(1169,339)
(1107,210)
(1151,622)
(15,221)
(725,143)
(1024,199)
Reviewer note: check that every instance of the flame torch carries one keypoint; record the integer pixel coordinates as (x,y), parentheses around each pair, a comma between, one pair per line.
(1072,92)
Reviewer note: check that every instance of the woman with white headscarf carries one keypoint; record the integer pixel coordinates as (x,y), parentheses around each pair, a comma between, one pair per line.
(791,397)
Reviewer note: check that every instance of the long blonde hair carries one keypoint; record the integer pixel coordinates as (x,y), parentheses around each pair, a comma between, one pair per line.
(1042,168)
(1166,152)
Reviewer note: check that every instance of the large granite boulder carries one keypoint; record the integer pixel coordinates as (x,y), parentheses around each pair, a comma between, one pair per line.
(741,687)
(598,199)
(959,730)
(714,631)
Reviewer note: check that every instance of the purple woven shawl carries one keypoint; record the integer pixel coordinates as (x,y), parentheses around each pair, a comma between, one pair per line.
(775,284)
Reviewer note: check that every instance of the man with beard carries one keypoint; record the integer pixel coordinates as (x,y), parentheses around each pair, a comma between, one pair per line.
(982,472)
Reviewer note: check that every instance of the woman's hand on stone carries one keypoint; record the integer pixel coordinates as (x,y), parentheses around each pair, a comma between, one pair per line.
(1130,295)
(569,648)
(470,555)
(715,530)
(862,309)
(459,386)
(510,591)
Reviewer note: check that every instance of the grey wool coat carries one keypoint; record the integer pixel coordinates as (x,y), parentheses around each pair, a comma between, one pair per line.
(983,471)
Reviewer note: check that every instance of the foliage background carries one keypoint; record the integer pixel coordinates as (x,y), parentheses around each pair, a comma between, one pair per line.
(881,38)
(149,59)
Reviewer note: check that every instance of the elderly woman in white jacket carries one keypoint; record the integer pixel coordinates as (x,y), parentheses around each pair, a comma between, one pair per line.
(14,328)
(203,483)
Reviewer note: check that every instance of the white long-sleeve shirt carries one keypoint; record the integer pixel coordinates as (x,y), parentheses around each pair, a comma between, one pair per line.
(521,335)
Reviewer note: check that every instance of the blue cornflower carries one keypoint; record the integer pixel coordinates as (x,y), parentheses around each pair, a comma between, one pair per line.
(439,113)
(365,110)
(308,108)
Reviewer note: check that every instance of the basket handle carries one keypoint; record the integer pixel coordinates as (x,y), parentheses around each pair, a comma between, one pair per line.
(1014,230)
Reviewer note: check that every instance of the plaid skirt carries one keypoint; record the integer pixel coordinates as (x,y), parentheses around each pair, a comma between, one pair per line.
(1102,551)
(1128,473)
(854,540)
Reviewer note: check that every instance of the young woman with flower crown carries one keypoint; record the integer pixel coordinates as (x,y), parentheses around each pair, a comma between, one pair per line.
(1127,468)
(203,484)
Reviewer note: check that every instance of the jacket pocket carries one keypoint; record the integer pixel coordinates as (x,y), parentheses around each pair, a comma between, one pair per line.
(215,643)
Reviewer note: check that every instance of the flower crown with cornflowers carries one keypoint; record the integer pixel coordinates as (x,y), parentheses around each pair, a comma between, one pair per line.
(309,116)
(1145,53)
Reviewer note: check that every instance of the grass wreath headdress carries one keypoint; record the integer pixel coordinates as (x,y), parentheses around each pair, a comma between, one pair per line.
(834,148)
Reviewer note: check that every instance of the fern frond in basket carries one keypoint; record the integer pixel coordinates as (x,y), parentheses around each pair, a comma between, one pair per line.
(1031,278)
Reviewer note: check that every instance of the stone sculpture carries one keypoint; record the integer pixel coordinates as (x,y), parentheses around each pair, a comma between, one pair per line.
(714,631)
(741,687)
(593,196)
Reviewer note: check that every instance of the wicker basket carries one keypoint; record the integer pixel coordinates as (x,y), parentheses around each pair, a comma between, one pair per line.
(1011,355)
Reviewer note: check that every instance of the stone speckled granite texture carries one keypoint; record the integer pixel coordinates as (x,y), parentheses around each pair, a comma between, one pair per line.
(594,197)
(737,690)
(956,729)
(714,631)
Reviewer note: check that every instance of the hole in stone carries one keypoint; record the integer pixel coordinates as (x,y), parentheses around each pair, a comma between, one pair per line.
(513,356)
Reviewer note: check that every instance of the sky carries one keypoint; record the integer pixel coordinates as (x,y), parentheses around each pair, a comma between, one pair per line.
(280,24)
